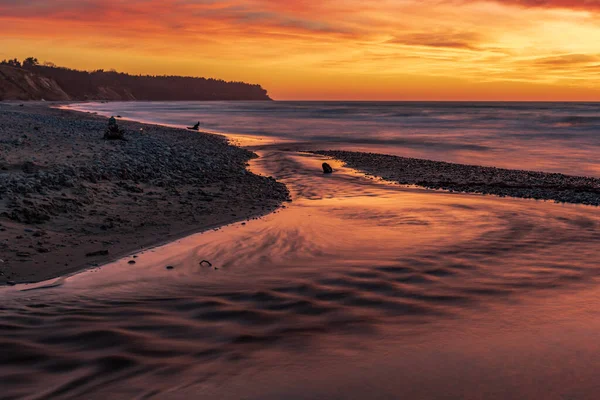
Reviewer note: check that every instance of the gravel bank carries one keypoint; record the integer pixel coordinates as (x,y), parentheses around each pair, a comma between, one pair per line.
(474,179)
(66,193)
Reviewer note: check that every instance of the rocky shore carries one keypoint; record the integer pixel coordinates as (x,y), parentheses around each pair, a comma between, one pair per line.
(473,179)
(70,199)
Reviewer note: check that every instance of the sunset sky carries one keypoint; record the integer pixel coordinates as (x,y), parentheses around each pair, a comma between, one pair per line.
(337,49)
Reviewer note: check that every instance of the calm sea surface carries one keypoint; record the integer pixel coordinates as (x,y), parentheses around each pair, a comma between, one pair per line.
(554,137)
(358,289)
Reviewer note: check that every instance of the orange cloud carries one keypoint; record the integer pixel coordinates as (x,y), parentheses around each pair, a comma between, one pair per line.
(590,5)
(309,49)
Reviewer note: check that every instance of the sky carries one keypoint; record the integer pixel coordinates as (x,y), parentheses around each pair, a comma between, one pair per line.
(327,50)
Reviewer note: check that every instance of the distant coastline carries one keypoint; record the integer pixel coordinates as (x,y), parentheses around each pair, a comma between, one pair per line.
(29,80)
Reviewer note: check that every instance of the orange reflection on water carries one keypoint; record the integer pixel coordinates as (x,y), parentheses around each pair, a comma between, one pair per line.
(357,288)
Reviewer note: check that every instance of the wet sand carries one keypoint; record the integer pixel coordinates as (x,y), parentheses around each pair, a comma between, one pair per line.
(70,200)
(357,289)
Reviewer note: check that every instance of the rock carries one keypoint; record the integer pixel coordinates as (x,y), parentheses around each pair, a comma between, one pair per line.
(97,253)
(29,215)
(204,262)
(131,262)
(11,283)
(28,167)
(170,267)
(327,168)
(113,132)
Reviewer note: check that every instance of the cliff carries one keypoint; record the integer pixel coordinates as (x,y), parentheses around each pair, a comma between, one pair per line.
(39,82)
(19,84)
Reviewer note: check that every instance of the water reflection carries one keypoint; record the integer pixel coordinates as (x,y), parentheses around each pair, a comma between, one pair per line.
(355,281)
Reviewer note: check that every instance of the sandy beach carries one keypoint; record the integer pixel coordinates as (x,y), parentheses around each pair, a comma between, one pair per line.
(70,200)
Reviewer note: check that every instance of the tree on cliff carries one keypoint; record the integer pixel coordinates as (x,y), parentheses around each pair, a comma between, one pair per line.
(113,85)
(30,62)
(11,63)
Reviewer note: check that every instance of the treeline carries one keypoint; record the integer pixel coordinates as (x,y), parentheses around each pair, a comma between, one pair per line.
(113,85)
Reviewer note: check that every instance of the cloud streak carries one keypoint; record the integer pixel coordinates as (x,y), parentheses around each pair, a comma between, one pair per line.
(590,5)
(311,49)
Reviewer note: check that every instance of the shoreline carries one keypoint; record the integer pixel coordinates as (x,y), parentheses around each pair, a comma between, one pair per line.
(65,192)
(463,178)
(42,239)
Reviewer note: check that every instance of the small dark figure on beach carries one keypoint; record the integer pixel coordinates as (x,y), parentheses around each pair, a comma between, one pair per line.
(195,127)
(327,168)
(113,132)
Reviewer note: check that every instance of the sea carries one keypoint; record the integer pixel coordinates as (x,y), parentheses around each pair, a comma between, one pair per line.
(552,137)
(357,289)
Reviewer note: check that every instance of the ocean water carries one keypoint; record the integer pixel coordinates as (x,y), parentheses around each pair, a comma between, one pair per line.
(552,137)
(357,289)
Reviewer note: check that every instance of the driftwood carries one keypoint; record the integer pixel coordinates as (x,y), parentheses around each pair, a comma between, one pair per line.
(195,127)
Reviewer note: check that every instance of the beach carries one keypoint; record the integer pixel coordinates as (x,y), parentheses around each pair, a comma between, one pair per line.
(299,200)
(70,200)
(360,287)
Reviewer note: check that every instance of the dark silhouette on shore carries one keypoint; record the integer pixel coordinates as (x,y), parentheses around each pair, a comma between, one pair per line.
(196,127)
(113,132)
(30,80)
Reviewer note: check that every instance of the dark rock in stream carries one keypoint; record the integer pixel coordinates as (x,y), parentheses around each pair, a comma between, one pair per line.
(327,168)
